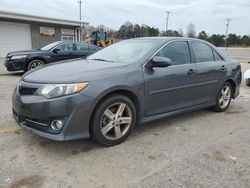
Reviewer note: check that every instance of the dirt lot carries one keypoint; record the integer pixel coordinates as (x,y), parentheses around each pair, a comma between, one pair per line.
(198,149)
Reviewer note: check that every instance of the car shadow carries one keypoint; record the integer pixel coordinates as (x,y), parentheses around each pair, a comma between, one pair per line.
(17,74)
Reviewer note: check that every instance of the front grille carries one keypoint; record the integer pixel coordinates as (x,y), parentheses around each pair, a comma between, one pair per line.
(27,91)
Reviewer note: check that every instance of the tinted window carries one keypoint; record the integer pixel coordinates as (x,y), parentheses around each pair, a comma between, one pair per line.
(66,47)
(202,52)
(82,47)
(217,57)
(178,52)
(92,48)
(50,46)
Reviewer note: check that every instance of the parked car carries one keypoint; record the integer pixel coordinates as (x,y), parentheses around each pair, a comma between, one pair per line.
(131,82)
(247,77)
(56,51)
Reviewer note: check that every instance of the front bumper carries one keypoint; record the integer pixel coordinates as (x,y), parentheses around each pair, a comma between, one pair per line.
(35,114)
(15,65)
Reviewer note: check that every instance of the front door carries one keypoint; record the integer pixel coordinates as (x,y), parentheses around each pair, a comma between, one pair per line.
(170,88)
(65,51)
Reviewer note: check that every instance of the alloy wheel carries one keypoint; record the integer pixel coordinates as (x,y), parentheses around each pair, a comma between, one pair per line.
(35,64)
(116,121)
(225,97)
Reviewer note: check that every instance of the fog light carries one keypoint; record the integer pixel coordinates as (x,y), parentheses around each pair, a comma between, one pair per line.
(56,125)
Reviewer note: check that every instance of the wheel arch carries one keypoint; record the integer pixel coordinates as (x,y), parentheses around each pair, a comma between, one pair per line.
(233,85)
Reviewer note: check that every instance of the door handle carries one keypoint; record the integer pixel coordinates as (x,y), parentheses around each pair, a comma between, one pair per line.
(223,68)
(191,72)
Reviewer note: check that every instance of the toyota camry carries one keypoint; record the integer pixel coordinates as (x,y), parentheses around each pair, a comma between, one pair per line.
(129,83)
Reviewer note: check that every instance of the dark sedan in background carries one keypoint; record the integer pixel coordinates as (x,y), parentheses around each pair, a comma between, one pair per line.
(57,51)
(128,83)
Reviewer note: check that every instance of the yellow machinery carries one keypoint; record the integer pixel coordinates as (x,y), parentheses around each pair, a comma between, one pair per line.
(99,38)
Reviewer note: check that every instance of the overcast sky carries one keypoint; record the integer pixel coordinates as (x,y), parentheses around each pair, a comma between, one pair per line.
(208,15)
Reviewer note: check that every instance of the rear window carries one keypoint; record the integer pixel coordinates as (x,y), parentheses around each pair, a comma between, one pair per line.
(202,52)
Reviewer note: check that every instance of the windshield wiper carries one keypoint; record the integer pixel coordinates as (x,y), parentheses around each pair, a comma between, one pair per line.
(101,60)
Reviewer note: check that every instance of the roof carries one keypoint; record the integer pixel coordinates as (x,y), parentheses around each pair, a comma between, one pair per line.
(164,38)
(33,18)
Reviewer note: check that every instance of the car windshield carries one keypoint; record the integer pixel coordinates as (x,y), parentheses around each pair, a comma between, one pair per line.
(127,51)
(49,46)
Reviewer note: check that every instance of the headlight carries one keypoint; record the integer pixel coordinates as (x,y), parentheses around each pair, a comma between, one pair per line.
(58,90)
(19,57)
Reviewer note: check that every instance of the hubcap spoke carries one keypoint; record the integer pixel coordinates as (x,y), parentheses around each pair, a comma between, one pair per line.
(226,91)
(121,109)
(109,114)
(125,120)
(220,100)
(118,132)
(107,128)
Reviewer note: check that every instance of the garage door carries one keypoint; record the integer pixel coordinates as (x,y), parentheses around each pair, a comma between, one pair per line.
(14,37)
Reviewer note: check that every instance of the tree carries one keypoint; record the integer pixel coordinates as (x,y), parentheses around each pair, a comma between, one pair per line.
(203,35)
(233,40)
(217,40)
(245,40)
(191,31)
(137,30)
(181,33)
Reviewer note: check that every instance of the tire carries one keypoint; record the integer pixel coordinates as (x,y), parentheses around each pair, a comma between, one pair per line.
(248,82)
(223,98)
(113,120)
(35,64)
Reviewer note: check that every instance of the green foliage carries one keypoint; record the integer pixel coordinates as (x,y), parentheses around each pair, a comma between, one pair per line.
(219,40)
(128,30)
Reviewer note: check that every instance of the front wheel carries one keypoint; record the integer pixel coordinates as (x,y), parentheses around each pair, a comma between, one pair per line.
(113,120)
(35,64)
(224,98)
(248,82)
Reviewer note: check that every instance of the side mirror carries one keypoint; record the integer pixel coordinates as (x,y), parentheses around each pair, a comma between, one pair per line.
(55,50)
(158,61)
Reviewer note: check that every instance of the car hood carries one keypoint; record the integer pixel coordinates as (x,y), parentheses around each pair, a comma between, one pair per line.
(74,71)
(24,52)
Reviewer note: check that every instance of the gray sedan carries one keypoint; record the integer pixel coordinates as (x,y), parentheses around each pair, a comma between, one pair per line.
(129,83)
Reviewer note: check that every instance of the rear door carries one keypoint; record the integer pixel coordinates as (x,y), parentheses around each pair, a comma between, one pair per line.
(170,88)
(210,72)
(84,49)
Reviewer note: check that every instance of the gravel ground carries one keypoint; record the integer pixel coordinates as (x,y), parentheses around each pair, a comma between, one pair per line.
(198,149)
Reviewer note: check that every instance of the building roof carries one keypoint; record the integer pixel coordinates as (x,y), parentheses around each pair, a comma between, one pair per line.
(28,17)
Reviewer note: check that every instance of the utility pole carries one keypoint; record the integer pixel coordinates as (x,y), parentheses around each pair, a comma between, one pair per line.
(227,25)
(167,22)
(80,9)
(80,16)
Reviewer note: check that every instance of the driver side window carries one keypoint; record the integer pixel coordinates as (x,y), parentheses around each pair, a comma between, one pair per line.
(177,51)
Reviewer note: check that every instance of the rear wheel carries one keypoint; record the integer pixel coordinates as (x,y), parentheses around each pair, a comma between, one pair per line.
(224,97)
(248,82)
(35,64)
(113,120)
